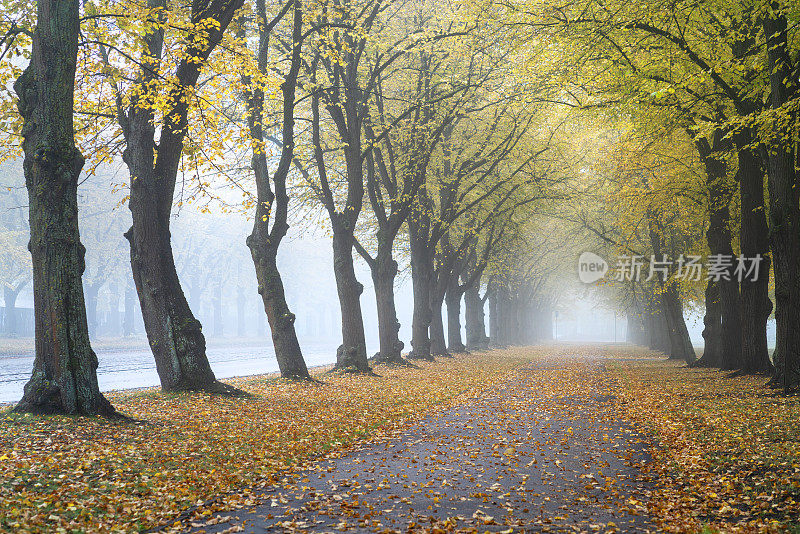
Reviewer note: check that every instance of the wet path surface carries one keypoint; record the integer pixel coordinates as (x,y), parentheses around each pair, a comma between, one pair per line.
(522,456)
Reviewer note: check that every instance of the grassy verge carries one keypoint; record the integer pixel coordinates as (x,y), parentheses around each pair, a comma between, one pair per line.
(729,454)
(69,474)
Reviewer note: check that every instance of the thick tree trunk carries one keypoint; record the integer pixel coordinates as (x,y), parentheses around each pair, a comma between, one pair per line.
(352,353)
(281,320)
(756,305)
(453,301)
(498,317)
(784,212)
(475,325)
(438,343)
(175,336)
(383,273)
(421,274)
(680,343)
(712,328)
(64,378)
(723,324)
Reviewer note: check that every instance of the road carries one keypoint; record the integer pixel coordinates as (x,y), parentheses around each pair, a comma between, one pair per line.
(124,369)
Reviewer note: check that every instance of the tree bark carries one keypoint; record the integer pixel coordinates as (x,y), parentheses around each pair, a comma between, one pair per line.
(453,301)
(756,307)
(723,322)
(438,343)
(352,353)
(421,274)
(64,378)
(264,241)
(175,335)
(384,272)
(712,328)
(784,212)
(494,319)
(475,317)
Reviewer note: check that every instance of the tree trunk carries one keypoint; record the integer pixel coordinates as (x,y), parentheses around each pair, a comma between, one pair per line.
(438,343)
(352,353)
(680,343)
(494,320)
(658,330)
(175,336)
(756,306)
(712,328)
(498,317)
(280,318)
(784,212)
(421,274)
(723,325)
(383,273)
(64,378)
(475,325)
(453,301)
(263,241)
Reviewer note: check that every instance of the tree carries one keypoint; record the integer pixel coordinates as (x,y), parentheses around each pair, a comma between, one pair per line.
(153,155)
(64,376)
(273,204)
